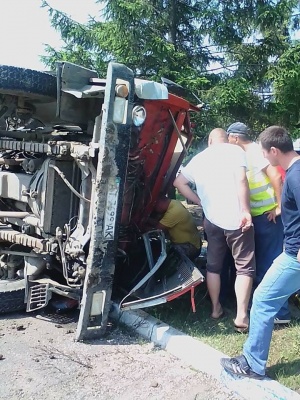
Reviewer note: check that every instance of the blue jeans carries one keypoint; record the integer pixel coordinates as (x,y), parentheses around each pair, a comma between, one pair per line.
(280,282)
(268,245)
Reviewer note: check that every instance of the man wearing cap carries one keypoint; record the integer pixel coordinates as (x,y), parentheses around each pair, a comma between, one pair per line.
(265,185)
(219,173)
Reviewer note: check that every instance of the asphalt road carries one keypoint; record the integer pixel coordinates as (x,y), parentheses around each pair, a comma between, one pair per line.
(39,359)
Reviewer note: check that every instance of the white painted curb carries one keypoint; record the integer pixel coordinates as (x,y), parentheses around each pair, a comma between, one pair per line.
(200,356)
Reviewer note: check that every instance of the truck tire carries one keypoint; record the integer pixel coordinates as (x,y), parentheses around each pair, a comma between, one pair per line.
(27,83)
(12,295)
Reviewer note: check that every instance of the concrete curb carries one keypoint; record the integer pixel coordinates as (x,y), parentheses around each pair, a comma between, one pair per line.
(200,356)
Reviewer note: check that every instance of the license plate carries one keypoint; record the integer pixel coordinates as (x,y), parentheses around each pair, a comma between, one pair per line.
(111,208)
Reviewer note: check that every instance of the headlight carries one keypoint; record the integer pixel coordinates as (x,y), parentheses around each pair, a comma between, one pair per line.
(138,115)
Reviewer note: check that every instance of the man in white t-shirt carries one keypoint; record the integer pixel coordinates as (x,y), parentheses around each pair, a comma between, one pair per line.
(219,173)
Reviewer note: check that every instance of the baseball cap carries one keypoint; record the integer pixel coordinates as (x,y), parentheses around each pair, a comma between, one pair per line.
(238,128)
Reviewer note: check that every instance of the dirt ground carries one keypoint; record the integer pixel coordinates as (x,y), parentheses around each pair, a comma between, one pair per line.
(40,360)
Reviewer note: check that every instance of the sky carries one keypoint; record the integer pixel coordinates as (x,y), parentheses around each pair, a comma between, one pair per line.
(25,28)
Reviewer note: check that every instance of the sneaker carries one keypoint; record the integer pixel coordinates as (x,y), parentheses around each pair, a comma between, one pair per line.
(239,366)
(281,321)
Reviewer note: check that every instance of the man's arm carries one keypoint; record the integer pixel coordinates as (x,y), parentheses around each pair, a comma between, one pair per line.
(244,198)
(182,184)
(295,184)
(276,181)
(152,223)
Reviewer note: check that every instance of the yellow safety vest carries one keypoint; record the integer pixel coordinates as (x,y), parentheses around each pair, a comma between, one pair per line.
(262,195)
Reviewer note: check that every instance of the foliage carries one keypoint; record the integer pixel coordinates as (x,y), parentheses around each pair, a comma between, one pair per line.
(246,42)
(285,75)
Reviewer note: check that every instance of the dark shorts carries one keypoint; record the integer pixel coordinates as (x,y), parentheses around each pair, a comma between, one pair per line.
(240,243)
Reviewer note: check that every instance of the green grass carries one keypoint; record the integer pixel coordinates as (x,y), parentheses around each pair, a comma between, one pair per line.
(284,358)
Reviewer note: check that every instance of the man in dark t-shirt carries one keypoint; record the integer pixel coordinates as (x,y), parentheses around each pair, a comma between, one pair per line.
(283,277)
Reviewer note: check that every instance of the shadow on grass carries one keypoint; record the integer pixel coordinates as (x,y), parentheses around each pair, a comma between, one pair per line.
(287,371)
(180,315)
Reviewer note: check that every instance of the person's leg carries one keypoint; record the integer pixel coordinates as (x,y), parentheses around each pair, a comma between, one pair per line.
(227,278)
(242,248)
(243,286)
(284,314)
(268,246)
(213,283)
(280,281)
(216,251)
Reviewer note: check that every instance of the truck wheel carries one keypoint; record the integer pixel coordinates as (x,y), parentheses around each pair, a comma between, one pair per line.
(12,295)
(27,83)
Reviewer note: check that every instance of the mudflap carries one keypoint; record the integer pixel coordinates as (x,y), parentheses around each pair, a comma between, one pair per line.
(172,275)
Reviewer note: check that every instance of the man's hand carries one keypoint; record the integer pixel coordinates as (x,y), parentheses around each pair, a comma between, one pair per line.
(182,184)
(271,215)
(246,221)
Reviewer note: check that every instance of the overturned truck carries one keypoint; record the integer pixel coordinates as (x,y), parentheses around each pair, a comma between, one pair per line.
(82,162)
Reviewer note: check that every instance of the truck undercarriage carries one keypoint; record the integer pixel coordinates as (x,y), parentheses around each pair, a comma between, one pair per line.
(82,162)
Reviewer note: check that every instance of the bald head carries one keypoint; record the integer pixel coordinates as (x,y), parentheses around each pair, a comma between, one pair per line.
(217,135)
